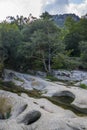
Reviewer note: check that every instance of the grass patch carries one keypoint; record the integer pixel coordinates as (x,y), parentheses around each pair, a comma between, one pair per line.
(83,86)
(5,108)
(51,78)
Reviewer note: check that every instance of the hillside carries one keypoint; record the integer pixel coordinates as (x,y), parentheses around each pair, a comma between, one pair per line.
(61,18)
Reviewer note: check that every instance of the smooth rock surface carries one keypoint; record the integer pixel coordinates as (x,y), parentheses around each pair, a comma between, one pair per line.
(52,117)
(30,117)
(47,88)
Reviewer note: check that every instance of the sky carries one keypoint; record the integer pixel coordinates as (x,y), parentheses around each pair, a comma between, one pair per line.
(36,7)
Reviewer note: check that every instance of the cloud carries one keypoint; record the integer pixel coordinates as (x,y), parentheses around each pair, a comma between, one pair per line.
(36,7)
(79,9)
(19,7)
(55,6)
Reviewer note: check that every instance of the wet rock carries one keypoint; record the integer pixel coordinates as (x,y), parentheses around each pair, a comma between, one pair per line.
(65,93)
(65,97)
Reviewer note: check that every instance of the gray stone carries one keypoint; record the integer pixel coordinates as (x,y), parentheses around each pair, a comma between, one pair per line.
(81,82)
(74,75)
(24,80)
(17,110)
(51,117)
(41,74)
(34,117)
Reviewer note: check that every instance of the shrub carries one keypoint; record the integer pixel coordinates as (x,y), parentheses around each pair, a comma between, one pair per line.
(83,86)
(52,78)
(62,61)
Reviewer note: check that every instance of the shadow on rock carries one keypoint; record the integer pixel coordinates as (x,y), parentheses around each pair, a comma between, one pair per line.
(30,117)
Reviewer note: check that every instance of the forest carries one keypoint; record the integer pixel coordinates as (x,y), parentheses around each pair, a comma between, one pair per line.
(40,44)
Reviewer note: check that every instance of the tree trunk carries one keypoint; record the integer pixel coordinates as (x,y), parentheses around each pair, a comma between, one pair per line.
(45,67)
(44,63)
(49,61)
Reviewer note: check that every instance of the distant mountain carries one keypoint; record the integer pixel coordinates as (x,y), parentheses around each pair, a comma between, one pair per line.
(84,16)
(61,18)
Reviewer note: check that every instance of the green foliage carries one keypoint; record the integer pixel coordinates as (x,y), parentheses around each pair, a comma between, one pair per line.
(43,36)
(72,43)
(46,16)
(52,78)
(58,61)
(41,45)
(83,49)
(10,38)
(83,86)
(70,23)
(10,35)
(63,61)
(72,64)
(1,69)
(81,29)
(77,32)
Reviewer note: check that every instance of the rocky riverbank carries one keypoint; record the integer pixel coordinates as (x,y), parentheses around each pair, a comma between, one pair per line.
(59,107)
(37,114)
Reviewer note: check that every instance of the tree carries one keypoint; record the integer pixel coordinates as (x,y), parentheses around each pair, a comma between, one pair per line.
(3,57)
(46,16)
(76,32)
(70,24)
(82,29)
(72,43)
(44,38)
(10,37)
(83,49)
(20,21)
